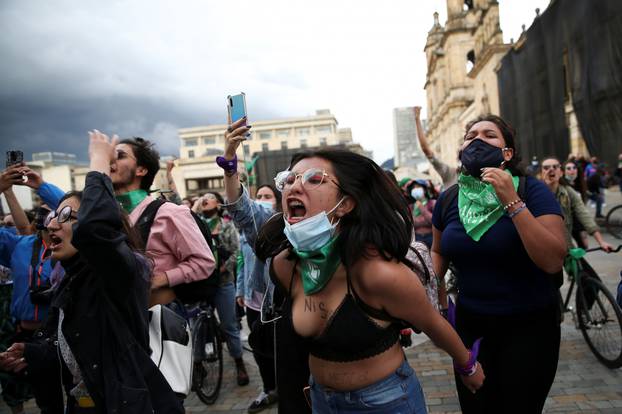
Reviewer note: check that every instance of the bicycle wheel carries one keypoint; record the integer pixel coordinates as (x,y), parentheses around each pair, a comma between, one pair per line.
(613,221)
(600,321)
(209,367)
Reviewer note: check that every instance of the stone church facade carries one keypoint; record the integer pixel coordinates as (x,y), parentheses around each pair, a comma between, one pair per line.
(461,81)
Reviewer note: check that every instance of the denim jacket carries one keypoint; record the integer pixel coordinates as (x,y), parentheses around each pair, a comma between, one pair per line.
(249,216)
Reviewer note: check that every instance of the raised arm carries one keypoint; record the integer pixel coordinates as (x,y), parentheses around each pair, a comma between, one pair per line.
(234,136)
(98,234)
(247,215)
(9,177)
(421,135)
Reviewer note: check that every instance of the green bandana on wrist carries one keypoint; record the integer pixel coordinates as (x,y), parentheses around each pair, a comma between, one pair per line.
(317,267)
(478,205)
(130,200)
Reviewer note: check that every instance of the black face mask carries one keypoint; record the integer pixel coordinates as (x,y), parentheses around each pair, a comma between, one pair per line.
(478,155)
(211,212)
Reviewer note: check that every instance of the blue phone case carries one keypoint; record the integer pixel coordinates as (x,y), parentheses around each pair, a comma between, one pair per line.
(237,106)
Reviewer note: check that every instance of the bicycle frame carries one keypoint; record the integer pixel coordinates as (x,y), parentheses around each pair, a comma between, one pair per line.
(577,274)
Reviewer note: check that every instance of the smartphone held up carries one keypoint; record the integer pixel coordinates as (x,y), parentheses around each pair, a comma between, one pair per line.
(236,106)
(15,157)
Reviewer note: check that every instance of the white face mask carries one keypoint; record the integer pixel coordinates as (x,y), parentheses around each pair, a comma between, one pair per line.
(417,193)
(266,204)
(311,233)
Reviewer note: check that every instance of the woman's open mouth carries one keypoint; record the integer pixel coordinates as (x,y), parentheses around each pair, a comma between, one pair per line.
(56,242)
(296,211)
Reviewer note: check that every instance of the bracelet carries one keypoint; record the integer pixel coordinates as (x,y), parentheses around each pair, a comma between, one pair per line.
(228,165)
(507,206)
(471,367)
(518,210)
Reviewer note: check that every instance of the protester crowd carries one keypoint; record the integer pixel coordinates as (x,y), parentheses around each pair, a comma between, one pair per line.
(329,264)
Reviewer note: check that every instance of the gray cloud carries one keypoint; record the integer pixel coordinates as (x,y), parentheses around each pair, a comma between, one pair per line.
(148,67)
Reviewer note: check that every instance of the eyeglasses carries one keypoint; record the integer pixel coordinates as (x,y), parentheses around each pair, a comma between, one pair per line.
(310,179)
(548,167)
(65,214)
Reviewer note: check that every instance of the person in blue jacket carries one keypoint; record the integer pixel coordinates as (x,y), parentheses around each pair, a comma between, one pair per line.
(27,256)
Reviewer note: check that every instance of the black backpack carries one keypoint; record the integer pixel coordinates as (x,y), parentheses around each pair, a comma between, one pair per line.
(451,195)
(186,292)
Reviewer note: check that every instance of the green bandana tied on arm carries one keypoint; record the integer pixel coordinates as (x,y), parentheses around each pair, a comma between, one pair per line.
(317,267)
(478,205)
(130,200)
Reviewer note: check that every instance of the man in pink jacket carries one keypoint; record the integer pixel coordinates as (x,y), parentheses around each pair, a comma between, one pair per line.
(178,249)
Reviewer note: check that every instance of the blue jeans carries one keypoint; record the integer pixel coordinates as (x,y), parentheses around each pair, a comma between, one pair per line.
(224,299)
(399,393)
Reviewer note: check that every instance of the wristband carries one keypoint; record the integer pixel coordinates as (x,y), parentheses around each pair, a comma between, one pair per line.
(228,165)
(507,206)
(471,367)
(518,210)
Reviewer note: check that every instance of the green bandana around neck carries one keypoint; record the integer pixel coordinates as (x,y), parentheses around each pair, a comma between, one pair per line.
(318,266)
(213,222)
(131,199)
(478,205)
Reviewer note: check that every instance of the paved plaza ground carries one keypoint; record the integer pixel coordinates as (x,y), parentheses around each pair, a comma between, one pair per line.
(582,384)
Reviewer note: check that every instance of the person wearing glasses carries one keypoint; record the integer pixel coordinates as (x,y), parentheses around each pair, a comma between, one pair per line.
(24,250)
(338,256)
(572,205)
(95,342)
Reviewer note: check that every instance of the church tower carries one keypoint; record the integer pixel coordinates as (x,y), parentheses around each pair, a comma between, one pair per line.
(461,81)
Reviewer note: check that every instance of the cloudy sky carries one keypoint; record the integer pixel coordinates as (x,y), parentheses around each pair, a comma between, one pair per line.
(149,67)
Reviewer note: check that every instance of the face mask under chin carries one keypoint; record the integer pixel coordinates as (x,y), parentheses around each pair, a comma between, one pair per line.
(313,232)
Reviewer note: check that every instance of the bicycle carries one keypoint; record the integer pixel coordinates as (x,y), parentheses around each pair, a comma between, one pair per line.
(597,314)
(207,345)
(613,221)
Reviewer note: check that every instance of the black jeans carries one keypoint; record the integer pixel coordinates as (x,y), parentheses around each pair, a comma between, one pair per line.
(519,354)
(292,372)
(262,355)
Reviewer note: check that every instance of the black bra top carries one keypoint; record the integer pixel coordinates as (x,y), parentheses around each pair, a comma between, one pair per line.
(350,334)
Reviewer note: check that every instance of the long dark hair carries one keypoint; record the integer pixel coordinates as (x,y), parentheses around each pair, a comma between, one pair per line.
(509,135)
(277,195)
(579,183)
(133,238)
(380,220)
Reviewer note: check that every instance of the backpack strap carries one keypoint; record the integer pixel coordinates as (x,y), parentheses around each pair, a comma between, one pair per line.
(145,221)
(426,271)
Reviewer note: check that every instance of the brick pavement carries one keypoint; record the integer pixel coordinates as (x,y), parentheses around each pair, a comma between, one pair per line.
(582,384)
